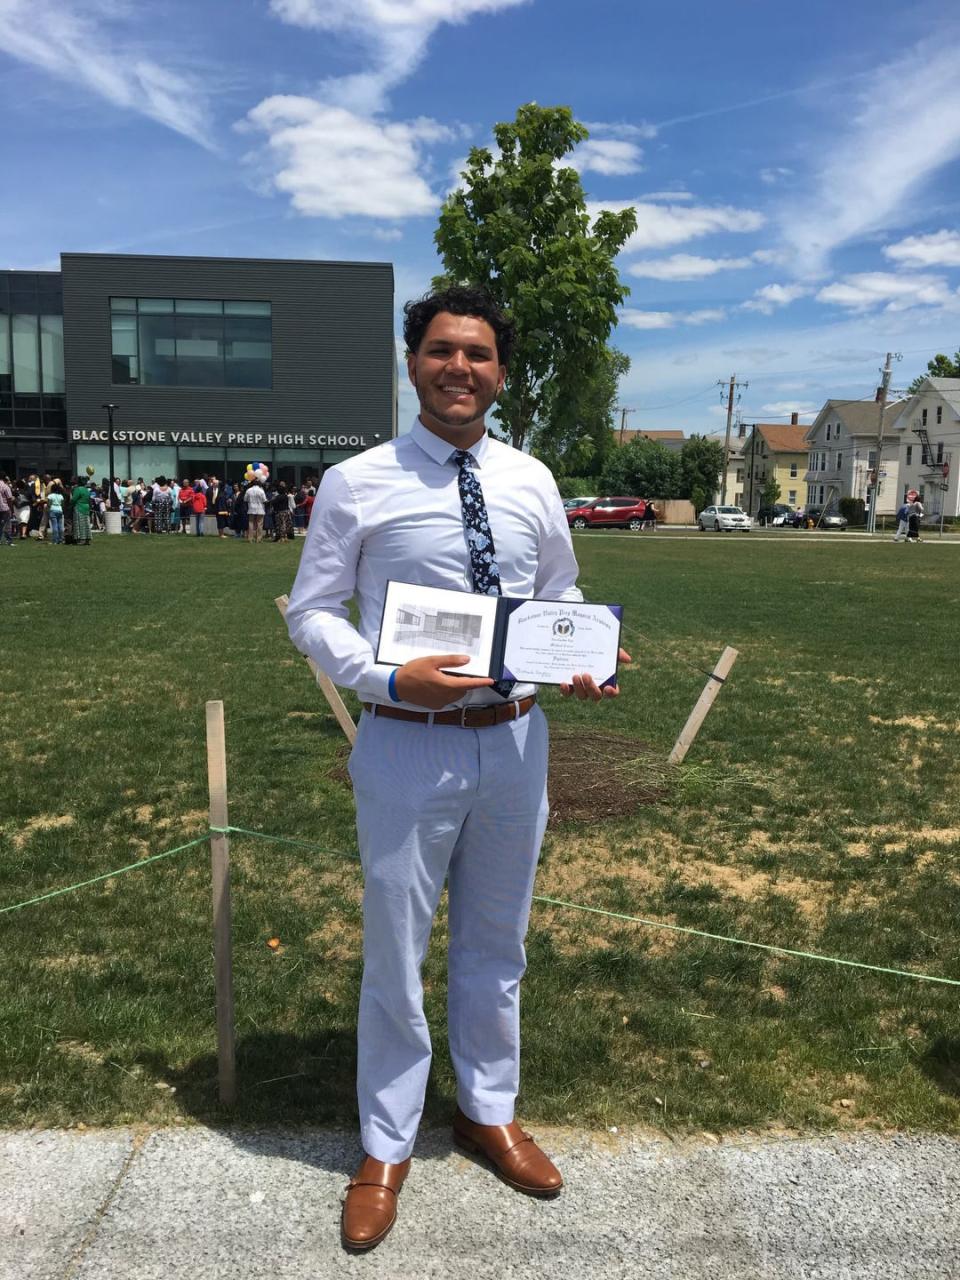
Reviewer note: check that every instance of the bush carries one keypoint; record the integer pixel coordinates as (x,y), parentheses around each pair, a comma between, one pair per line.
(853,509)
(578,486)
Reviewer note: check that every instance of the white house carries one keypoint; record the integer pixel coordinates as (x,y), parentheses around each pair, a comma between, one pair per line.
(928,434)
(842,455)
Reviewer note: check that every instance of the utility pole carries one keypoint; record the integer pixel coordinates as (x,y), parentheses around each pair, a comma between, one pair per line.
(734,384)
(882,391)
(623,421)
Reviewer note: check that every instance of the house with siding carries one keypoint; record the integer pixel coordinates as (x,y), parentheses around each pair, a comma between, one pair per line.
(842,455)
(774,451)
(927,437)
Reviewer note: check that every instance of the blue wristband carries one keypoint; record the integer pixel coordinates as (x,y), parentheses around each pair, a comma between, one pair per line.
(392,687)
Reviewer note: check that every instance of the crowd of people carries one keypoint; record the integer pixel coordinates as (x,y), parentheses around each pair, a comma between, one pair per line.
(50,509)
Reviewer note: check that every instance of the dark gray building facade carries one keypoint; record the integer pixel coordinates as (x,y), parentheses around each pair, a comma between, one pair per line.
(33,419)
(210,364)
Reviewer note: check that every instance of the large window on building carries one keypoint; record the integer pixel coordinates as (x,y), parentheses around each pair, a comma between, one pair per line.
(191,342)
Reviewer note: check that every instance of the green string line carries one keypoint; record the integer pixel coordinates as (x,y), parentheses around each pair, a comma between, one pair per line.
(653,924)
(742,942)
(552,902)
(262,835)
(134,866)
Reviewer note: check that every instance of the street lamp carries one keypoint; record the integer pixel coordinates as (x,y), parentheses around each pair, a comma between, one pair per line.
(111,410)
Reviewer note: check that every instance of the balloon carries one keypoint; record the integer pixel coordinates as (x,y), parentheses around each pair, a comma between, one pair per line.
(257,471)
(91,470)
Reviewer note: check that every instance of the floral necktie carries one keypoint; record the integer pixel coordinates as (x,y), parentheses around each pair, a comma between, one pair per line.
(483,553)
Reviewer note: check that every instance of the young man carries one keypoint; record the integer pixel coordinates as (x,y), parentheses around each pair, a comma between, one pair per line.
(449,772)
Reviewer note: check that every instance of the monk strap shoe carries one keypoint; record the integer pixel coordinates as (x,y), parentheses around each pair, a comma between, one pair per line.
(370,1205)
(512,1152)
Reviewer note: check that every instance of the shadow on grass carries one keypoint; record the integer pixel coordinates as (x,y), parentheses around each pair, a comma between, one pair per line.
(941,1064)
(287,1082)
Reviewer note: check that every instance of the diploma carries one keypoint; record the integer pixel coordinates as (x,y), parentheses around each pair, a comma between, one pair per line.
(551,641)
(527,641)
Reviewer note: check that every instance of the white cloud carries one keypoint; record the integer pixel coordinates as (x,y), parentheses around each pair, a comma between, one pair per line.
(775,174)
(939,249)
(772,257)
(647,319)
(387,233)
(610,156)
(669,319)
(905,126)
(772,296)
(869,289)
(334,164)
(78,41)
(395,32)
(667,195)
(685,266)
(783,408)
(708,315)
(661,226)
(620,130)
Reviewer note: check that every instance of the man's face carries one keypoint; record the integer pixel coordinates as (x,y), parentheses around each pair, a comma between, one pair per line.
(457,374)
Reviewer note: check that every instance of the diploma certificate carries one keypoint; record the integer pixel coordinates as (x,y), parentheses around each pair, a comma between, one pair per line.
(528,641)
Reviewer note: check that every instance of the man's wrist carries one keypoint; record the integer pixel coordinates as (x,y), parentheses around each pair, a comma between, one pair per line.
(392,686)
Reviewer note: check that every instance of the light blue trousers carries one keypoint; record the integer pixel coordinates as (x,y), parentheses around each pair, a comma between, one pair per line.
(469,806)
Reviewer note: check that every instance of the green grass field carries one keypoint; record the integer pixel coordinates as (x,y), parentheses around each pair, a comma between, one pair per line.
(817,810)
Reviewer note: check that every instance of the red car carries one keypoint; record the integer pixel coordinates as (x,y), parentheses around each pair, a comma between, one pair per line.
(609,513)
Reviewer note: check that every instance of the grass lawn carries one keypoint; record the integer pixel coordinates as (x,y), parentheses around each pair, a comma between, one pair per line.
(818,810)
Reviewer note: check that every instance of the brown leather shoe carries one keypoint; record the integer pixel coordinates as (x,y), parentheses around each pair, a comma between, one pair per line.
(370,1206)
(513,1153)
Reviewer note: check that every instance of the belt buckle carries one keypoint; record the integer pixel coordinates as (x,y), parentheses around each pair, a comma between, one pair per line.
(463,717)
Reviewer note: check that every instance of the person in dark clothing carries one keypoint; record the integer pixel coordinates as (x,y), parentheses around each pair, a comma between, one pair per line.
(282,514)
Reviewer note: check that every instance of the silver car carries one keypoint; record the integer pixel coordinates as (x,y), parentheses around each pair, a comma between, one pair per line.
(724,518)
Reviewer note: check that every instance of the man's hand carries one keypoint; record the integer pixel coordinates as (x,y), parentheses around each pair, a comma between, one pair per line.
(425,685)
(586,688)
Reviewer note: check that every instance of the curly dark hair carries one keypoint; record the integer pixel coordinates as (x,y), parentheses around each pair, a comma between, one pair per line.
(458,300)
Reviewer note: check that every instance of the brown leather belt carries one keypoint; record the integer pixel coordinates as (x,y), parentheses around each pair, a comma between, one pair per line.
(463,717)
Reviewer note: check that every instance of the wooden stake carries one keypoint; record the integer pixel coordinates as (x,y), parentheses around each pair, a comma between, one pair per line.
(704,703)
(327,687)
(220,865)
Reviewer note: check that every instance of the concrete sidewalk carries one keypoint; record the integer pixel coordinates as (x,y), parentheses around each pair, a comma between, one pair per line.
(199,1204)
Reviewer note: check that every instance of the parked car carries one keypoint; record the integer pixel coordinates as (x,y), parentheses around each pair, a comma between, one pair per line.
(724,518)
(824,519)
(570,503)
(608,513)
(778,514)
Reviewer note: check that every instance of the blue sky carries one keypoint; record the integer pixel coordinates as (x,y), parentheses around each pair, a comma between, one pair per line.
(795,168)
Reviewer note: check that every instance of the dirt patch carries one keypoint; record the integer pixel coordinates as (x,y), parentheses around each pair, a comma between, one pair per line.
(74,963)
(339,941)
(596,775)
(43,822)
(84,1052)
(310,888)
(922,722)
(304,715)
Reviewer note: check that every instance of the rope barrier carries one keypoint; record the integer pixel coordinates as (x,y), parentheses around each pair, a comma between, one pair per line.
(134,866)
(551,902)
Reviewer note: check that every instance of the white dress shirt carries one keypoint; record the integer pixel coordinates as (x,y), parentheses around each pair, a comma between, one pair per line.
(394,512)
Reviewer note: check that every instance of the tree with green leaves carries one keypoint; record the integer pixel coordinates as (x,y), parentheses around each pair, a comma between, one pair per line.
(574,435)
(519,226)
(940,366)
(770,492)
(643,468)
(701,463)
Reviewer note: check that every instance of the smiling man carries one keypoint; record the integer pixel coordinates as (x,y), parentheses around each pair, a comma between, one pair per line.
(449,772)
